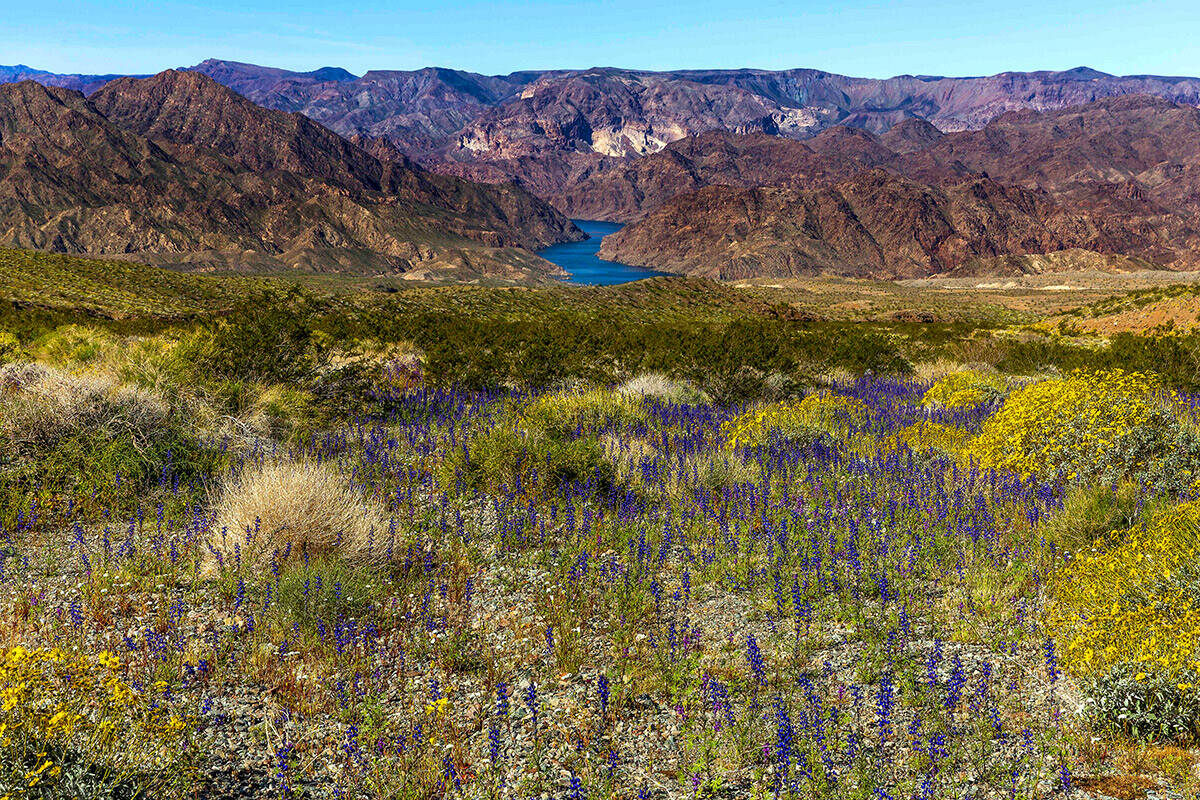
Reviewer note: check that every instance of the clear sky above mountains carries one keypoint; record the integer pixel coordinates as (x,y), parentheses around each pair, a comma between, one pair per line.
(873,38)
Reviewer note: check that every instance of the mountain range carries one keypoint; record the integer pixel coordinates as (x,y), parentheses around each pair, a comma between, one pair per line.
(177,169)
(1117,176)
(439,114)
(725,173)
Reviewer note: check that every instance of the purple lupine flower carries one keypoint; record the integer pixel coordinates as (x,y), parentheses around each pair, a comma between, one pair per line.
(576,791)
(885,706)
(603,692)
(1051,656)
(502,700)
(531,702)
(754,656)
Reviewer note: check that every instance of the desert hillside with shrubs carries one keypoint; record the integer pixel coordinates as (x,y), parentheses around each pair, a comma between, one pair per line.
(673,539)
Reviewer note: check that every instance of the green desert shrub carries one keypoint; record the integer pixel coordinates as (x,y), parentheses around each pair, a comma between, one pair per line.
(328,587)
(718,470)
(280,411)
(276,344)
(493,459)
(507,458)
(747,385)
(564,462)
(1090,513)
(589,412)
(931,439)
(10,347)
(1147,705)
(552,441)
(1176,357)
(74,345)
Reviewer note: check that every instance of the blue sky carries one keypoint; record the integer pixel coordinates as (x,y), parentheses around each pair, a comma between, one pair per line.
(871,38)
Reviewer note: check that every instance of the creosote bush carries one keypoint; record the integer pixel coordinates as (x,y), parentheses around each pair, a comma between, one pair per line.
(1091,514)
(589,412)
(719,470)
(518,460)
(10,347)
(278,343)
(276,509)
(551,442)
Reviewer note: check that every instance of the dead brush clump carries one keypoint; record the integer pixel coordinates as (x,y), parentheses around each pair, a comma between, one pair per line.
(657,386)
(41,405)
(278,508)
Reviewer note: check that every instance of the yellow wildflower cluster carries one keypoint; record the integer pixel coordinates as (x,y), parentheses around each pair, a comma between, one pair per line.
(963,389)
(832,413)
(1133,603)
(589,411)
(924,436)
(437,708)
(1058,427)
(56,706)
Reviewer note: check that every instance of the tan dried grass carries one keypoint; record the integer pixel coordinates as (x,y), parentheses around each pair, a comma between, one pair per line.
(41,405)
(280,507)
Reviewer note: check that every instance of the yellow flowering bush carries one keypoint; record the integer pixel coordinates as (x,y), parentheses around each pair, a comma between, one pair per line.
(70,726)
(1135,602)
(1092,426)
(1128,625)
(963,389)
(924,436)
(829,413)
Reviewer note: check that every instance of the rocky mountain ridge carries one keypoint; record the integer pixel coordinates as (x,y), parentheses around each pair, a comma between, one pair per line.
(177,169)
(440,115)
(721,172)
(1117,176)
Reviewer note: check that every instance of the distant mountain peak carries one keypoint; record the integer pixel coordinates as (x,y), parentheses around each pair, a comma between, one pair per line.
(1085,73)
(911,135)
(332,74)
(214,62)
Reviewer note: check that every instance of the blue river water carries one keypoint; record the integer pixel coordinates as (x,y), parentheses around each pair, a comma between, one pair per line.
(580,261)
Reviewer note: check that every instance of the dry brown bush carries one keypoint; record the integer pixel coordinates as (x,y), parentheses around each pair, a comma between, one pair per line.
(661,387)
(276,508)
(41,405)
